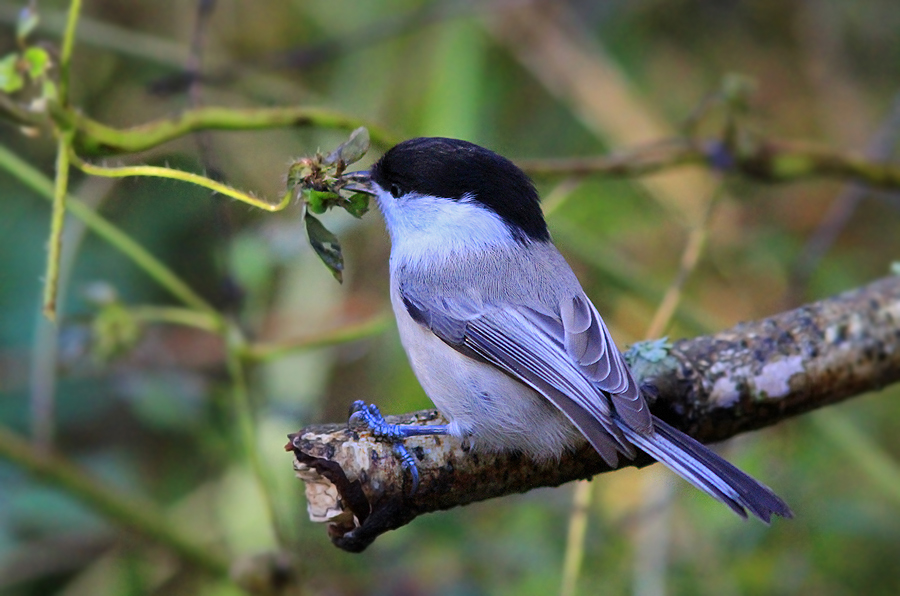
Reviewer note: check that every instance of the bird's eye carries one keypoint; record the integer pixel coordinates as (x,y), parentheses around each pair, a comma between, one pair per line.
(395,191)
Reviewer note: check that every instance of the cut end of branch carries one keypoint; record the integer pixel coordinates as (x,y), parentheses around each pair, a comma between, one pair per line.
(356,485)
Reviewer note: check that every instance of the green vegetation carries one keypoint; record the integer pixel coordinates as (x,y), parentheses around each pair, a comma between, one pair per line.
(167,321)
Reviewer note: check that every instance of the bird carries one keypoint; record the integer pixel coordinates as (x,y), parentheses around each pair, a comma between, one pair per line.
(500,333)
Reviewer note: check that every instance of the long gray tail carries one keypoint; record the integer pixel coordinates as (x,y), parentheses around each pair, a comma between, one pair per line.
(707,471)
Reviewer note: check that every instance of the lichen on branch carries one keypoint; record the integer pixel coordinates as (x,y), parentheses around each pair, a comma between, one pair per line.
(712,387)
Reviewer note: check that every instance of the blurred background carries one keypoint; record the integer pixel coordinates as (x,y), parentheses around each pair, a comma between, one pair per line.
(148,407)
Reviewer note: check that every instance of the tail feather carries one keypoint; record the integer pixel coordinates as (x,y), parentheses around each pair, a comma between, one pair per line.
(707,471)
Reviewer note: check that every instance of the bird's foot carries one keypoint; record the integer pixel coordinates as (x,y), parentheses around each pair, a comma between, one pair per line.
(370,417)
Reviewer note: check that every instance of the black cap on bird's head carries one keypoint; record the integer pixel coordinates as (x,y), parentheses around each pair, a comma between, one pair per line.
(454,169)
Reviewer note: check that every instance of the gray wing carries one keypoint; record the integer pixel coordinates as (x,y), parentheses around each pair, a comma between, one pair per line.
(589,344)
(569,360)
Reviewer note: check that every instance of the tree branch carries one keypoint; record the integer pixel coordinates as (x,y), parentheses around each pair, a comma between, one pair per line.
(766,160)
(713,387)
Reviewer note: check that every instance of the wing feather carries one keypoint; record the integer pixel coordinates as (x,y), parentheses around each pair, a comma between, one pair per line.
(589,343)
(530,347)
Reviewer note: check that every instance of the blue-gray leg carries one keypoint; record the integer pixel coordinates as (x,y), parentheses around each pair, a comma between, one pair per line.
(370,417)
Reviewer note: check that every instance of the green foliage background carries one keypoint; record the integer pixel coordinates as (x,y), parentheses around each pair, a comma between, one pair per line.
(154,419)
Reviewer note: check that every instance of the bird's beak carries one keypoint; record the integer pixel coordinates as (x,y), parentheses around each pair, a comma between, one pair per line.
(359,182)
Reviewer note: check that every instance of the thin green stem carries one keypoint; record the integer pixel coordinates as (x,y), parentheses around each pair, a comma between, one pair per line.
(57,221)
(93,137)
(235,345)
(145,261)
(126,510)
(65,54)
(177,316)
(693,250)
(161,172)
(264,352)
(578,523)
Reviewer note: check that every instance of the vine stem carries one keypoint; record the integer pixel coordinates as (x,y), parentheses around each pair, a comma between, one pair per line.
(94,137)
(57,221)
(61,182)
(173,174)
(68,44)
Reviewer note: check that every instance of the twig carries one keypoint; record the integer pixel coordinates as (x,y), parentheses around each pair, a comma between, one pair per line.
(174,315)
(45,348)
(763,160)
(713,387)
(576,533)
(689,258)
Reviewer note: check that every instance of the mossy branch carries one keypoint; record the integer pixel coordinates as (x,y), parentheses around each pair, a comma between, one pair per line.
(713,387)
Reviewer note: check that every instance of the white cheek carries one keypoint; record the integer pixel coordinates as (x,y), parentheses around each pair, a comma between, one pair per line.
(423,226)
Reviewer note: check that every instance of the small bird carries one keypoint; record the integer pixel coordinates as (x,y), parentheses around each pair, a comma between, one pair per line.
(500,333)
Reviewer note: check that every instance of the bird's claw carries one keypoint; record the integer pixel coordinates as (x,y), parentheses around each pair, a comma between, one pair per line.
(370,417)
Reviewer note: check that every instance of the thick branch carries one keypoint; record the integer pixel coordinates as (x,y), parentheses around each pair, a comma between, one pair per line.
(712,387)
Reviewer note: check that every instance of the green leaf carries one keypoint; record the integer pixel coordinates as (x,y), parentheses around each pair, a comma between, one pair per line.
(352,150)
(326,246)
(38,61)
(318,201)
(357,205)
(26,23)
(10,78)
